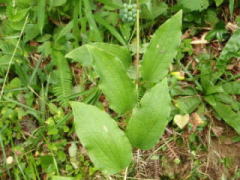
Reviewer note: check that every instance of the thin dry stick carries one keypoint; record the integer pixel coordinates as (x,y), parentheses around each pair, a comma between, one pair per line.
(209,142)
(132,178)
(13,55)
(137,159)
(138,156)
(155,151)
(169,147)
(126,173)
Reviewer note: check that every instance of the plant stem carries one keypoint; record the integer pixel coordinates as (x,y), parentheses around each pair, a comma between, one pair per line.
(4,153)
(138,44)
(125,174)
(13,55)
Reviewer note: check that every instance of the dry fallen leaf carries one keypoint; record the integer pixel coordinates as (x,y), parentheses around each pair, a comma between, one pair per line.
(9,160)
(217,130)
(200,40)
(181,120)
(196,120)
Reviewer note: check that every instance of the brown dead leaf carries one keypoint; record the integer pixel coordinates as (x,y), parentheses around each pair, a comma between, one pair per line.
(200,40)
(33,43)
(232,27)
(217,130)
(186,34)
(196,120)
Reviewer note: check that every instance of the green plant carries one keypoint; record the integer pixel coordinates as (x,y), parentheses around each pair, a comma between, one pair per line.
(63,85)
(146,120)
(213,87)
(121,88)
(108,146)
(197,5)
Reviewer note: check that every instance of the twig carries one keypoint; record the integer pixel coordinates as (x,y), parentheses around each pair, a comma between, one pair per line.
(169,147)
(156,150)
(125,174)
(132,178)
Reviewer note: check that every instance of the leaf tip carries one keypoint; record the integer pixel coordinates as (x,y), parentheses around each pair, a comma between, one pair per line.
(179,14)
(73,104)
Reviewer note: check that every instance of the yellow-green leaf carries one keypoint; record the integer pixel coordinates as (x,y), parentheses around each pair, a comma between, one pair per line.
(225,111)
(41,11)
(150,119)
(114,81)
(83,56)
(162,49)
(107,145)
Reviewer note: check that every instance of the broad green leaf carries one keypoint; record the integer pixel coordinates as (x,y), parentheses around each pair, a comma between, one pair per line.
(15,14)
(55,3)
(14,84)
(41,12)
(211,18)
(206,75)
(196,5)
(31,31)
(83,55)
(5,1)
(107,146)
(153,9)
(213,89)
(162,49)
(182,91)
(218,2)
(232,48)
(232,87)
(112,3)
(47,162)
(225,112)
(122,53)
(187,104)
(150,119)
(227,99)
(62,178)
(115,83)
(4,60)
